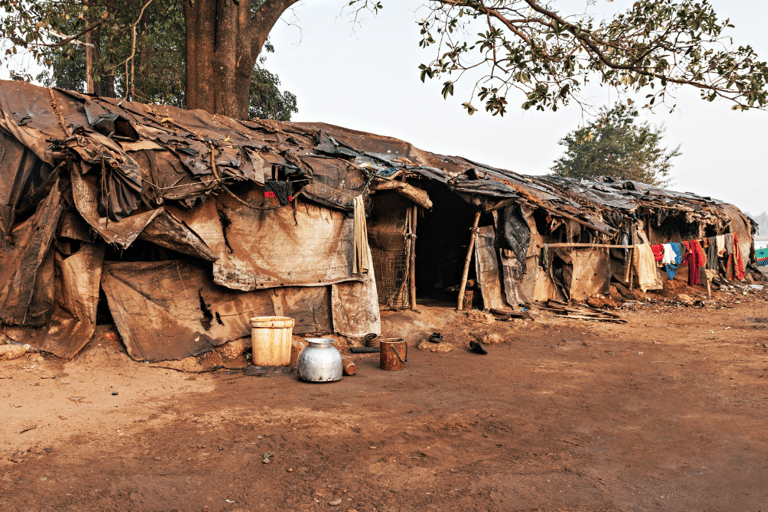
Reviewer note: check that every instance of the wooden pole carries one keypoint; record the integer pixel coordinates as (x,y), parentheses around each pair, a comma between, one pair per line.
(467,261)
(414,217)
(594,246)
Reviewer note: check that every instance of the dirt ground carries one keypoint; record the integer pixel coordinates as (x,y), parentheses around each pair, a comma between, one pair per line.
(666,412)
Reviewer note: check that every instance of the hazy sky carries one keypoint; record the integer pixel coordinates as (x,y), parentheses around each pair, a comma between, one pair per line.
(366,77)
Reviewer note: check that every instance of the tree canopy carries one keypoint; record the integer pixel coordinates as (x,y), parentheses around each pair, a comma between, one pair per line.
(531,46)
(615,145)
(140,56)
(528,45)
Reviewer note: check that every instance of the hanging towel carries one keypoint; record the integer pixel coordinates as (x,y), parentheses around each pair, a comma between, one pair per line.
(728,243)
(645,268)
(669,255)
(360,264)
(720,242)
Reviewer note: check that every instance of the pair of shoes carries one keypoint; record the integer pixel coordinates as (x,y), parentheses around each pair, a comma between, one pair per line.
(477,347)
(435,337)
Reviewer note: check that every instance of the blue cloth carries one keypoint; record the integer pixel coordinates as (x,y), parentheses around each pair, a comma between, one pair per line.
(679,251)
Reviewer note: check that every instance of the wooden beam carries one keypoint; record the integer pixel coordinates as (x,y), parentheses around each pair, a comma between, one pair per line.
(467,260)
(585,246)
(414,217)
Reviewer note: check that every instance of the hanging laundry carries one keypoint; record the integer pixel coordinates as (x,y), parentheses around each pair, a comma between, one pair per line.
(712,257)
(694,258)
(720,242)
(658,252)
(280,189)
(735,267)
(361,263)
(728,243)
(669,255)
(677,253)
(645,268)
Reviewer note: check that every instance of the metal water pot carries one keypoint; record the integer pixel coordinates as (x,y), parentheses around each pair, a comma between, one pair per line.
(320,361)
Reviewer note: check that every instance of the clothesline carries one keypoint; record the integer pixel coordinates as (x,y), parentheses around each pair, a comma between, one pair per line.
(672,255)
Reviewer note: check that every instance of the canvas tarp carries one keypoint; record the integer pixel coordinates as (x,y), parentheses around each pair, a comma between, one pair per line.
(172,309)
(303,246)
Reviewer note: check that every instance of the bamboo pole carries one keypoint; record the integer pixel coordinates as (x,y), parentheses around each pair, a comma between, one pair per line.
(467,261)
(414,217)
(585,245)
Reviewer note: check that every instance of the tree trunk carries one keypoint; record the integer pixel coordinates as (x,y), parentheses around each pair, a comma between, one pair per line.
(105,85)
(141,76)
(223,40)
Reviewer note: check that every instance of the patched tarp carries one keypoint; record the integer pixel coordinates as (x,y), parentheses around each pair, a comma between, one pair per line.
(488,272)
(303,246)
(172,309)
(585,272)
(25,294)
(78,277)
(355,306)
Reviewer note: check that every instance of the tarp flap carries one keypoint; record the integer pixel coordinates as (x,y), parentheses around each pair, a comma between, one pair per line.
(167,231)
(516,234)
(586,273)
(121,233)
(334,182)
(356,306)
(22,255)
(308,246)
(513,277)
(487,269)
(77,295)
(172,309)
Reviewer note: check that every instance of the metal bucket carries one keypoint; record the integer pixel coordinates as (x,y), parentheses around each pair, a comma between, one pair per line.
(320,361)
(393,354)
(271,338)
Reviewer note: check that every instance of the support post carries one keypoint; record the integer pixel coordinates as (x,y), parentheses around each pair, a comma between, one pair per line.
(412,277)
(467,261)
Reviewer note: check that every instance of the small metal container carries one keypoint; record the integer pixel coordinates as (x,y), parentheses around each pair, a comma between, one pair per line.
(320,361)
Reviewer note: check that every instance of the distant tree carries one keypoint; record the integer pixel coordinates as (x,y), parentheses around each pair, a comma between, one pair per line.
(266,101)
(762,223)
(616,146)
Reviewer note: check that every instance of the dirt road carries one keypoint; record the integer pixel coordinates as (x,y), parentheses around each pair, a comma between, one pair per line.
(667,412)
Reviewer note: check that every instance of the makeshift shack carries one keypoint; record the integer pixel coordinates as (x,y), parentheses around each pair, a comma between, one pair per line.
(526,238)
(182,225)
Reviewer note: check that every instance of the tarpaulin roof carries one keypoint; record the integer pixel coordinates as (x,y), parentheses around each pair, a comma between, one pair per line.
(81,171)
(138,157)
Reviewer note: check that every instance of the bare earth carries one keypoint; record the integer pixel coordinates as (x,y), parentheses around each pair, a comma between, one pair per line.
(667,412)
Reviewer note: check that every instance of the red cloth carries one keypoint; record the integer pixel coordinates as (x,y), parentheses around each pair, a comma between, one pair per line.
(699,251)
(691,259)
(734,261)
(658,252)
